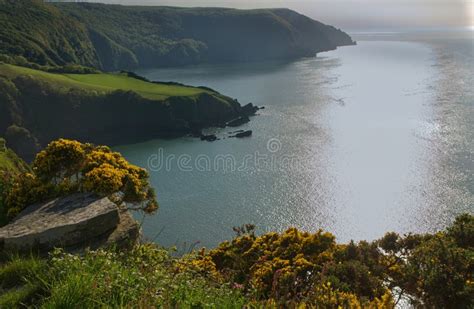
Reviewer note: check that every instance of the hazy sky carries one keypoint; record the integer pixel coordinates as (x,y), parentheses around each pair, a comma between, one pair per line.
(353,14)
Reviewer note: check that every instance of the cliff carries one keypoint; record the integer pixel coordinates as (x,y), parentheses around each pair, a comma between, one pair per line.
(37,107)
(114,37)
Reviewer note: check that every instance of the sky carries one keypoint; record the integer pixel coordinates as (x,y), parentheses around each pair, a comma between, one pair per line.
(353,14)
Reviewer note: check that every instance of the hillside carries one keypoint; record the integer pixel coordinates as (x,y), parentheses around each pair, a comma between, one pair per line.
(37,107)
(43,34)
(114,37)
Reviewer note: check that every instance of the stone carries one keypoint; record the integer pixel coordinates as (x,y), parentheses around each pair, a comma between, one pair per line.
(76,221)
(244,134)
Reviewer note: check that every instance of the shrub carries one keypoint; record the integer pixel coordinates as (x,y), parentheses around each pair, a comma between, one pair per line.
(296,267)
(66,166)
(288,266)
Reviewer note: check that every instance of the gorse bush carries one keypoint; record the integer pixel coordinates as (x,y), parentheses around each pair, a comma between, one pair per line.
(298,266)
(66,166)
(435,271)
(293,269)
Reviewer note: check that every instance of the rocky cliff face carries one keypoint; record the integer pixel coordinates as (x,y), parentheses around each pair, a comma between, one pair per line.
(74,223)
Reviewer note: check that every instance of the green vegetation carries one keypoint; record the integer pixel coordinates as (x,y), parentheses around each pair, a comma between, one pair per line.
(143,277)
(39,33)
(103,82)
(293,269)
(164,36)
(10,166)
(112,37)
(435,270)
(9,161)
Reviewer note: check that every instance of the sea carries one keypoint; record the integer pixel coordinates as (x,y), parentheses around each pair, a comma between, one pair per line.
(358,141)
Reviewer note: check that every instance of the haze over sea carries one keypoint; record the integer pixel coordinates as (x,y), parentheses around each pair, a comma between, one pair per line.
(358,141)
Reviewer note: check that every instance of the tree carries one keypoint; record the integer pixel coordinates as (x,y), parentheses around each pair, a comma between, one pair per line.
(67,166)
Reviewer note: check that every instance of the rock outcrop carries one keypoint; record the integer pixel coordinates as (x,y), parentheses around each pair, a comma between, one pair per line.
(74,223)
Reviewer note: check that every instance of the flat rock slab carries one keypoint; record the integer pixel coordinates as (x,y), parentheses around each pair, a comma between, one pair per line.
(63,222)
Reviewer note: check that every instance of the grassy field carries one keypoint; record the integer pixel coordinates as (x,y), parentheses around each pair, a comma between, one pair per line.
(103,82)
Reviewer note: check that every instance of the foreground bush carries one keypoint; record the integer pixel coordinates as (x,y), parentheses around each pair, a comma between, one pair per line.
(293,269)
(433,271)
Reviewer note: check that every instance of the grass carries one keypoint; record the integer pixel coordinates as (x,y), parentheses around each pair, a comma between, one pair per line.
(103,82)
(16,298)
(146,277)
(15,285)
(13,274)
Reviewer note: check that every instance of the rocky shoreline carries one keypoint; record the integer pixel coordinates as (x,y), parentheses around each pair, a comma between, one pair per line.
(248,111)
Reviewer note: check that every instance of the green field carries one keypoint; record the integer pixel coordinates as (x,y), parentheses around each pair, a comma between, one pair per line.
(103,82)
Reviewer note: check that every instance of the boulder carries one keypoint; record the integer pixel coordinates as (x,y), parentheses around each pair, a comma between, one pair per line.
(74,222)
(244,134)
